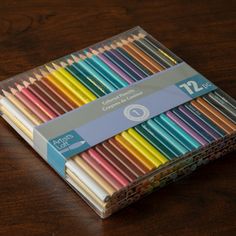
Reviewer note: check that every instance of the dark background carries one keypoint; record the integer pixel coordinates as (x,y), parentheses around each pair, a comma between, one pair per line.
(33,199)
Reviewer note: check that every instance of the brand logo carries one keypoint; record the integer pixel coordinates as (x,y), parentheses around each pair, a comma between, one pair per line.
(136,112)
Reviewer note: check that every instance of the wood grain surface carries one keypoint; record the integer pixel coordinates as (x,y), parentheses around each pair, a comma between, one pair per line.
(33,199)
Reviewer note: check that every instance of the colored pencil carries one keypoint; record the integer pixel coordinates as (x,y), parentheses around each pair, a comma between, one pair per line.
(21,121)
(61,87)
(44,98)
(102,171)
(24,109)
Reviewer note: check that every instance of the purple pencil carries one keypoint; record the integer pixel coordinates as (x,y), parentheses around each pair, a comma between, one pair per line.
(199,122)
(185,127)
(116,54)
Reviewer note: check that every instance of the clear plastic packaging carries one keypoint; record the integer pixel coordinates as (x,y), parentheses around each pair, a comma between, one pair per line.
(120,118)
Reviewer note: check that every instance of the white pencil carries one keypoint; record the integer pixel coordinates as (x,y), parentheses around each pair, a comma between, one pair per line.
(85,178)
(16,113)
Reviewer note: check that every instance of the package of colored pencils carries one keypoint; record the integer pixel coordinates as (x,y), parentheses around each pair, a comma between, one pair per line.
(120,118)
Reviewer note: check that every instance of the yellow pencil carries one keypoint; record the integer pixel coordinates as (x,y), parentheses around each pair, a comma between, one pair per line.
(60,86)
(70,86)
(149,165)
(141,148)
(143,142)
(73,80)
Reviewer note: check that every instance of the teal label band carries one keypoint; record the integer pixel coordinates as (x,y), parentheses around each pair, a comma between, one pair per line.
(196,86)
(68,144)
(82,128)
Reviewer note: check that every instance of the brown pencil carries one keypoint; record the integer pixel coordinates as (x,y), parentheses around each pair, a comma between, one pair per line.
(95,165)
(211,116)
(40,104)
(139,56)
(24,109)
(28,103)
(51,94)
(142,168)
(44,98)
(144,54)
(121,158)
(113,161)
(57,91)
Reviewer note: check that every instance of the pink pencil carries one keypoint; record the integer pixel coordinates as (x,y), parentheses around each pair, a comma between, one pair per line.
(96,166)
(36,101)
(109,168)
(27,102)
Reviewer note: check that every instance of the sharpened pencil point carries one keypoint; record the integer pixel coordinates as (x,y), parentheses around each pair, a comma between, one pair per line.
(63,64)
(51,70)
(44,73)
(57,67)
(130,39)
(119,44)
(107,48)
(37,76)
(13,90)
(70,61)
(88,54)
(26,84)
(141,35)
(75,58)
(32,80)
(6,94)
(113,46)
(19,87)
(95,52)
(124,41)
(81,56)
(135,36)
(101,50)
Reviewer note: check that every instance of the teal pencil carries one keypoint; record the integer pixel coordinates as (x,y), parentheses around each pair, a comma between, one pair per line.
(160,131)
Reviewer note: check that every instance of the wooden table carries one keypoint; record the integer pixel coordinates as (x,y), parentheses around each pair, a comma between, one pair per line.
(33,199)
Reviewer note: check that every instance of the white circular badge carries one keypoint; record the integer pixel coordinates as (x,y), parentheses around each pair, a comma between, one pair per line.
(136,112)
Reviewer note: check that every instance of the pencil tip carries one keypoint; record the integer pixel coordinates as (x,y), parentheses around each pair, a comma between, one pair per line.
(130,39)
(113,46)
(44,73)
(107,47)
(26,84)
(63,64)
(5,93)
(37,76)
(70,61)
(141,35)
(51,70)
(88,54)
(19,87)
(81,56)
(76,59)
(95,52)
(32,80)
(124,41)
(135,36)
(119,44)
(101,50)
(13,91)
(57,67)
